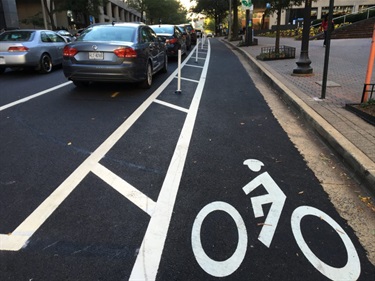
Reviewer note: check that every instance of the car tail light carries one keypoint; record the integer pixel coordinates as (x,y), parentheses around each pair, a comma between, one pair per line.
(69,51)
(18,49)
(125,52)
(171,41)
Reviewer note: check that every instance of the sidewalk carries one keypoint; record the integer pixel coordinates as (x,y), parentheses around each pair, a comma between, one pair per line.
(351,137)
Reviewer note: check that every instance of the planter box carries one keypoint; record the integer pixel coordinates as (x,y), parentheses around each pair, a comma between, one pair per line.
(365,116)
(269,53)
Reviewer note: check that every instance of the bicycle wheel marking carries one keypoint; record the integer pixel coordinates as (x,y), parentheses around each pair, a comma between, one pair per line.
(219,268)
(350,271)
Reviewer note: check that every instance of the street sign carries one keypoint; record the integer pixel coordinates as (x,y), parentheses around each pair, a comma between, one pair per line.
(246,4)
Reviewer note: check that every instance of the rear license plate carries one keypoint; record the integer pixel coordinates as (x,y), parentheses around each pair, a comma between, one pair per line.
(96,55)
(2,60)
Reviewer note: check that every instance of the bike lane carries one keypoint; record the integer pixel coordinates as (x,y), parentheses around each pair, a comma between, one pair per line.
(248,207)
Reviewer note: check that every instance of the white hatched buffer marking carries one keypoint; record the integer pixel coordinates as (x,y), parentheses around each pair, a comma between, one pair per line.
(148,259)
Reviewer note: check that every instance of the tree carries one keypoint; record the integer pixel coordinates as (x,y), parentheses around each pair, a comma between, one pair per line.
(276,6)
(139,5)
(50,12)
(166,11)
(216,9)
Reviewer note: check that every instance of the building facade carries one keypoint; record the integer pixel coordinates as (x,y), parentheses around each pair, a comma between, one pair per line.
(320,8)
(33,14)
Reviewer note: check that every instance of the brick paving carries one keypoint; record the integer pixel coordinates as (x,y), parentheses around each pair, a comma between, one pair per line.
(348,62)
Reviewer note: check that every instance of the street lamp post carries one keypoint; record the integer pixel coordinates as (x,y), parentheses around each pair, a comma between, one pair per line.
(303,64)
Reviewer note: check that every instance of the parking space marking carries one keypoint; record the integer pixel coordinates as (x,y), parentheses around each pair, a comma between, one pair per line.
(34,96)
(18,238)
(171,105)
(127,190)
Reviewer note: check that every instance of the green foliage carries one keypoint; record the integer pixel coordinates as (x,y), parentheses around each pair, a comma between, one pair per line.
(370,102)
(297,33)
(212,8)
(168,11)
(36,20)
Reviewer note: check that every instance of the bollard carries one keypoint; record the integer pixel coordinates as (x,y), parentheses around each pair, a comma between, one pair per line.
(196,53)
(178,91)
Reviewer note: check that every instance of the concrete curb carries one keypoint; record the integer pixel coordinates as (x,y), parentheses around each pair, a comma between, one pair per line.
(362,166)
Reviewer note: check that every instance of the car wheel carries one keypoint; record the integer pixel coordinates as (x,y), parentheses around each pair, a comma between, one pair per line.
(81,83)
(146,84)
(45,64)
(165,65)
(2,70)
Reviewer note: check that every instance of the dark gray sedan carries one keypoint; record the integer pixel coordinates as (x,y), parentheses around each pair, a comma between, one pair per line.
(39,49)
(117,52)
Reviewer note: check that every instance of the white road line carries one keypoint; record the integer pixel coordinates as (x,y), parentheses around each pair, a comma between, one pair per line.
(19,237)
(34,96)
(148,259)
(187,79)
(127,190)
(171,105)
(192,65)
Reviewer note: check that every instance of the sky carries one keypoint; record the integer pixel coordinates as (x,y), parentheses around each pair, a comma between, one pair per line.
(186,3)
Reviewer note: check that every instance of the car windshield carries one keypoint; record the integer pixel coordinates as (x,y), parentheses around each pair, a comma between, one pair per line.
(108,33)
(17,36)
(163,29)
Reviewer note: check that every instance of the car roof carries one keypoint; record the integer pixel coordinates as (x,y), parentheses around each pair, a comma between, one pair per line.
(135,24)
(27,29)
(167,25)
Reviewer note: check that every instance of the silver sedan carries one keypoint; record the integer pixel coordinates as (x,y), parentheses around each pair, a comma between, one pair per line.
(38,49)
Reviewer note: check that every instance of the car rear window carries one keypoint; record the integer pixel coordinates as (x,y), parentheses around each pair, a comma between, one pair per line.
(108,33)
(17,36)
(163,29)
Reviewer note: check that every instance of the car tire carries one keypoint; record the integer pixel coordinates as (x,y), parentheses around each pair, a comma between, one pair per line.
(45,64)
(165,65)
(2,70)
(80,84)
(146,84)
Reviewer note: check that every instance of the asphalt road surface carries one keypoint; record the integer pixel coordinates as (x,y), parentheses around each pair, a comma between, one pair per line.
(114,182)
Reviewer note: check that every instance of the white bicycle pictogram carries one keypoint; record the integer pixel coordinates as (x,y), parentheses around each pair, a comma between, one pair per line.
(275,197)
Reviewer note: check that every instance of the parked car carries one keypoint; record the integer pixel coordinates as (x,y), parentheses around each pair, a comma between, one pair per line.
(78,32)
(67,35)
(173,38)
(38,49)
(186,36)
(192,32)
(115,52)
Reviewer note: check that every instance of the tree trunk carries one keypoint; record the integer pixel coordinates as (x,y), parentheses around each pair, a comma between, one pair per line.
(277,43)
(235,20)
(50,14)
